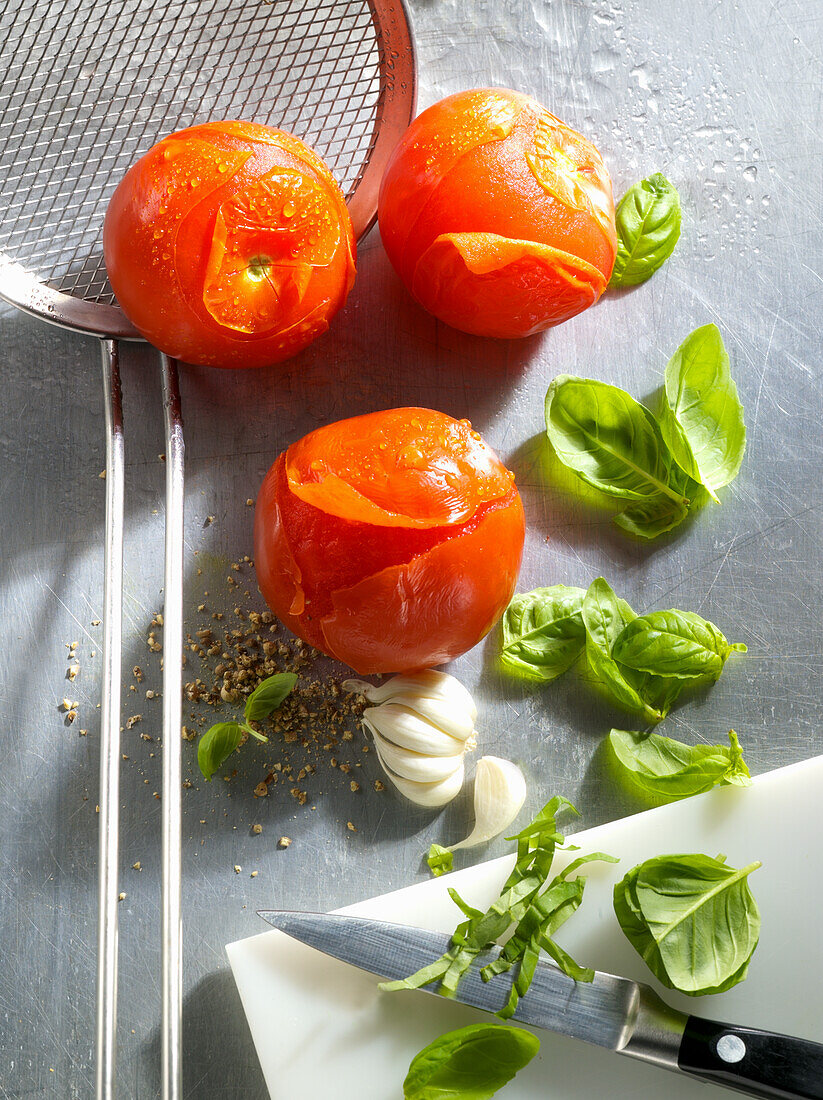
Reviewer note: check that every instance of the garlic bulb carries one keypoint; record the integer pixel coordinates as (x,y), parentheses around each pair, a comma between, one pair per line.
(423,725)
(499,794)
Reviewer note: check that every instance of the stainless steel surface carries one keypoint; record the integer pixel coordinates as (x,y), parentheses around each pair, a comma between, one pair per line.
(109,828)
(611,1012)
(726,101)
(171,925)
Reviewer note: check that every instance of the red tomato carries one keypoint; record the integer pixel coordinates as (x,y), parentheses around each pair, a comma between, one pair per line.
(391,541)
(229,244)
(498,217)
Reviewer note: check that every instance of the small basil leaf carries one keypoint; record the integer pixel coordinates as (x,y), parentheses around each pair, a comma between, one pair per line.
(673,643)
(440,860)
(472,1063)
(608,439)
(543,632)
(692,918)
(648,228)
(647,519)
(268,695)
(605,618)
(668,769)
(702,418)
(216,745)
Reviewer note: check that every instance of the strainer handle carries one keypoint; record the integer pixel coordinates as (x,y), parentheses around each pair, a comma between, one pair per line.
(106,1026)
(172,931)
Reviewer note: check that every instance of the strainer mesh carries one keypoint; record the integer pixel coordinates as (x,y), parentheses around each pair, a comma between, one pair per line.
(87,86)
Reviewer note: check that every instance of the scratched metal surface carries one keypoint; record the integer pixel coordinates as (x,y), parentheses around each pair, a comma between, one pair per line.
(725,98)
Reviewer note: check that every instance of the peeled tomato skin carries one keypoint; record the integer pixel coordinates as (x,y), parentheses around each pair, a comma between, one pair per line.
(462,278)
(181,234)
(531,179)
(433,608)
(379,596)
(434,142)
(511,202)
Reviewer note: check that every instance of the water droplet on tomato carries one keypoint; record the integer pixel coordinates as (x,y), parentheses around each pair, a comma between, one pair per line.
(288,209)
(158,233)
(475,435)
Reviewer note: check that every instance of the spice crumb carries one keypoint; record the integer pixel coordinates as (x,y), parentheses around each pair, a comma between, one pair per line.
(237,868)
(378,786)
(354,785)
(254,874)
(138,866)
(121,897)
(352,828)
(257,829)
(284,842)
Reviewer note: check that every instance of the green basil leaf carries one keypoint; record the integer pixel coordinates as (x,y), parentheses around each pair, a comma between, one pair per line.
(216,745)
(702,418)
(648,228)
(673,643)
(692,918)
(647,519)
(472,1063)
(440,860)
(608,439)
(670,770)
(543,632)
(605,617)
(536,846)
(268,695)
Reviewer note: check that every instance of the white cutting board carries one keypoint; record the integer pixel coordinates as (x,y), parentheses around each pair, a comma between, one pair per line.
(322,1029)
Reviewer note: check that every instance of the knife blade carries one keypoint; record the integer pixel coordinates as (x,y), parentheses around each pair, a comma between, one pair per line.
(621,1015)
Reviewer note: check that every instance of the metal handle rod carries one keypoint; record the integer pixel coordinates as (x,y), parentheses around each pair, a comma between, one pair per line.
(172,930)
(110,729)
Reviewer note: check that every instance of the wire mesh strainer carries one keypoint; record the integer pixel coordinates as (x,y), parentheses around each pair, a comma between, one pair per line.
(87,88)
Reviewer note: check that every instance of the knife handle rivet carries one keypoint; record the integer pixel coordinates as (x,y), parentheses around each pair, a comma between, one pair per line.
(731,1048)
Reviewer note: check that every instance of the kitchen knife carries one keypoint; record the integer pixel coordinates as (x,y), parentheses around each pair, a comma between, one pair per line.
(616,1013)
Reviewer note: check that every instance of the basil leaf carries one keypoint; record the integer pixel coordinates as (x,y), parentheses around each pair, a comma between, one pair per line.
(648,227)
(536,846)
(702,418)
(216,745)
(608,439)
(268,695)
(692,918)
(674,643)
(535,930)
(670,770)
(543,632)
(647,519)
(472,1063)
(440,860)
(605,618)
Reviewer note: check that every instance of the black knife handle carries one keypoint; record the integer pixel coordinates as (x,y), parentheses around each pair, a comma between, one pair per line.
(758,1063)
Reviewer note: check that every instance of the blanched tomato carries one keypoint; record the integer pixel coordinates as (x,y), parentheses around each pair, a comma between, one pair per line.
(391,541)
(497,216)
(230,245)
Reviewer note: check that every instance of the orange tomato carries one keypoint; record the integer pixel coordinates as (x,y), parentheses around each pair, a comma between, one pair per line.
(390,541)
(229,245)
(497,216)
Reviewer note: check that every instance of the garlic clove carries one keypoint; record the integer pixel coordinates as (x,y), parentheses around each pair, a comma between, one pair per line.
(414,765)
(408,730)
(499,794)
(426,688)
(431,795)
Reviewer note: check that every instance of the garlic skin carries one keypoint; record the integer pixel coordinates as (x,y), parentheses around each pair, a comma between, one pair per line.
(499,794)
(423,725)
